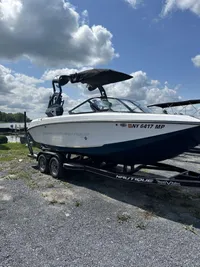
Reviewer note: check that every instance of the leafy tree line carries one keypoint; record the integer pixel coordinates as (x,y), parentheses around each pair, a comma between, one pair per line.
(12,117)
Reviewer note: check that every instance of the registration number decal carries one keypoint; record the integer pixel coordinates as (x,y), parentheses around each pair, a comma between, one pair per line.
(146,126)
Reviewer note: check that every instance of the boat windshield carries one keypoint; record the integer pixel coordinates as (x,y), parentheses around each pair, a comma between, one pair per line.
(98,104)
(136,107)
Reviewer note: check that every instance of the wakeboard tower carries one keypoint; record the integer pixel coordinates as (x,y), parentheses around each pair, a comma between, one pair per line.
(94,78)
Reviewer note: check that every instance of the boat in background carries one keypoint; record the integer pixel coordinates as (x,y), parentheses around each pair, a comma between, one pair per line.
(186,107)
(9,127)
(192,111)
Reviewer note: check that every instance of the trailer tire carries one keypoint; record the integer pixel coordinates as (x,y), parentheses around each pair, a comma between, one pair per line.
(43,164)
(55,167)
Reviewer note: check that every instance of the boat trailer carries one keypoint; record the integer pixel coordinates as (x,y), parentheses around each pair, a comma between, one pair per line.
(54,163)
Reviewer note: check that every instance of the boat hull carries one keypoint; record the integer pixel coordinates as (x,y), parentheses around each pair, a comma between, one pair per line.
(145,151)
(124,142)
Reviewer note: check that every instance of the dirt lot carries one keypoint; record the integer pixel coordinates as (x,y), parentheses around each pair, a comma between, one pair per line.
(91,221)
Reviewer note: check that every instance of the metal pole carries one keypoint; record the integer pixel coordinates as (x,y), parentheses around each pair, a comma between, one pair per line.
(25,121)
(27,137)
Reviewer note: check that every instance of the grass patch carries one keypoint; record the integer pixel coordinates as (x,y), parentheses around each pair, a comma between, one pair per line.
(190,228)
(124,217)
(53,201)
(50,185)
(25,176)
(66,184)
(20,175)
(57,201)
(12,177)
(11,151)
(4,147)
(17,166)
(13,171)
(141,226)
(77,203)
(32,184)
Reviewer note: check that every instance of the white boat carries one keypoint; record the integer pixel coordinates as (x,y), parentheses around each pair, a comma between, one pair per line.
(112,129)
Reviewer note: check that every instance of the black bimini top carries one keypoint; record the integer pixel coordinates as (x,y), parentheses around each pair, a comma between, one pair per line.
(94,77)
(176,104)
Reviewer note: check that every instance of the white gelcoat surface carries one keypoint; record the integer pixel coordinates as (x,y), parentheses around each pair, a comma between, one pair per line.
(98,129)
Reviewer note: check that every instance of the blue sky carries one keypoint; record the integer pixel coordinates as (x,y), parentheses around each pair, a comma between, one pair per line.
(163,48)
(155,40)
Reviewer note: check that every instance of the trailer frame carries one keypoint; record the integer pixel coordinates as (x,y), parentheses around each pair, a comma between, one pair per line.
(56,162)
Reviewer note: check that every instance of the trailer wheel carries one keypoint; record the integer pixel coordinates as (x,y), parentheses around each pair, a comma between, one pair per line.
(55,167)
(43,164)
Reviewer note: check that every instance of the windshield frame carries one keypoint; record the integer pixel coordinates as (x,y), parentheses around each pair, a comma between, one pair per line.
(143,108)
(123,102)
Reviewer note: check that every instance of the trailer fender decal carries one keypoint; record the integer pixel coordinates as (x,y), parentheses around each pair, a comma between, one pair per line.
(136,179)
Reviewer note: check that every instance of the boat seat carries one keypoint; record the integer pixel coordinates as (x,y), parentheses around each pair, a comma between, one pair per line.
(55,106)
(94,107)
(55,99)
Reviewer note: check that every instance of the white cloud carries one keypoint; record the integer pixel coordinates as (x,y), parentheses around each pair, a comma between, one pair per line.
(196,61)
(192,5)
(85,17)
(141,88)
(134,3)
(52,33)
(50,74)
(19,92)
(5,77)
(10,9)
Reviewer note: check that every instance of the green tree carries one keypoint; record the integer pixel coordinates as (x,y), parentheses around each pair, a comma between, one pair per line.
(12,117)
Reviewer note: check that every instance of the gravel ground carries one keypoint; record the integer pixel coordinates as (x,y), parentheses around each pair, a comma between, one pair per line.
(90,221)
